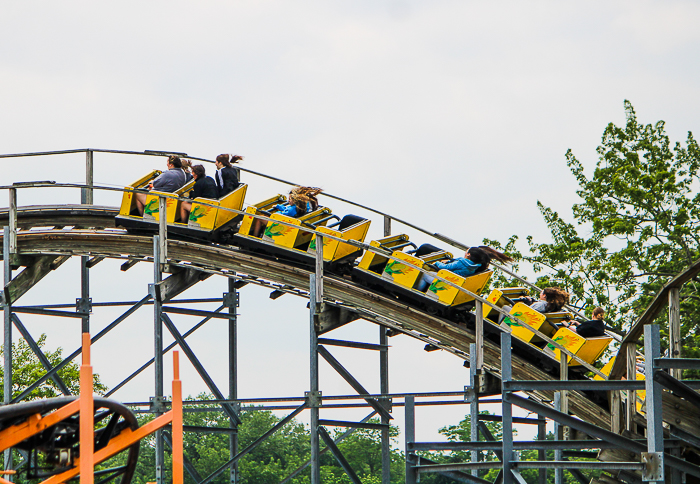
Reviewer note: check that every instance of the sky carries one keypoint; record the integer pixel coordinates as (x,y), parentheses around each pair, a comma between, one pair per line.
(453,115)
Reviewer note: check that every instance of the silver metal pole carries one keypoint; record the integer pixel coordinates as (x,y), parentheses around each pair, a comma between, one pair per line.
(7,337)
(384,389)
(232,298)
(507,409)
(479,335)
(474,404)
(410,437)
(541,453)
(313,387)
(655,430)
(384,385)
(158,356)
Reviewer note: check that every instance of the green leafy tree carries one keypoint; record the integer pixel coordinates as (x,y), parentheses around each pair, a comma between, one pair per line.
(26,369)
(636,226)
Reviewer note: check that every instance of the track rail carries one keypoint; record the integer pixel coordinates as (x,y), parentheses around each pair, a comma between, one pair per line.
(82,230)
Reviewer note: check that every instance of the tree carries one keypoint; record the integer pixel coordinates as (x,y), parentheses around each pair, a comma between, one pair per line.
(637,225)
(26,369)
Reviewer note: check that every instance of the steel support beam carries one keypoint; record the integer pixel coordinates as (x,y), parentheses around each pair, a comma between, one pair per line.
(597,432)
(474,403)
(385,402)
(314,395)
(157,403)
(410,438)
(231,300)
(347,376)
(655,429)
(152,360)
(72,356)
(7,335)
(506,408)
(339,456)
(39,354)
(228,408)
(325,449)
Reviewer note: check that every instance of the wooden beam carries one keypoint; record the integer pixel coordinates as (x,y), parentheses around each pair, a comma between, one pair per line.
(178,283)
(332,317)
(32,274)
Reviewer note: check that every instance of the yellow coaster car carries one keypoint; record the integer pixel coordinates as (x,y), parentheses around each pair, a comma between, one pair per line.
(292,241)
(588,349)
(402,280)
(206,219)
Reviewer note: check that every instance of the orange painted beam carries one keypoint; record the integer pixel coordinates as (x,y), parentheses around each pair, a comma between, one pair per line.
(11,436)
(178,466)
(125,439)
(87,417)
(5,481)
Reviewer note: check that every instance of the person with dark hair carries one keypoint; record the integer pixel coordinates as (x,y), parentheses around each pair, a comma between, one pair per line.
(552,300)
(591,328)
(226,175)
(300,201)
(168,181)
(476,259)
(204,187)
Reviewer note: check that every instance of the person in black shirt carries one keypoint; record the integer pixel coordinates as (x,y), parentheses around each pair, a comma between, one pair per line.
(227,176)
(204,187)
(591,328)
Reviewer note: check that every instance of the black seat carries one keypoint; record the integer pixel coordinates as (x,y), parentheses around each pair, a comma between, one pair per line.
(426,249)
(349,221)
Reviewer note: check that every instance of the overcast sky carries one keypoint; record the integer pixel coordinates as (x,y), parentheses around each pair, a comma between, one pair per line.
(454,115)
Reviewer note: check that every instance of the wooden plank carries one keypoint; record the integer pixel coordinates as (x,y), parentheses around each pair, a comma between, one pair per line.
(178,283)
(31,275)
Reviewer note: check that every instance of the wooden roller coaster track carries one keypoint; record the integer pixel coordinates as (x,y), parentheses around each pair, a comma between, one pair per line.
(85,230)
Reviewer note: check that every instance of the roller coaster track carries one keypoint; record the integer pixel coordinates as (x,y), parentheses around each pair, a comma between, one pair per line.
(86,230)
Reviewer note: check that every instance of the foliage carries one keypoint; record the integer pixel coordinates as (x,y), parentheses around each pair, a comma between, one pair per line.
(637,225)
(26,369)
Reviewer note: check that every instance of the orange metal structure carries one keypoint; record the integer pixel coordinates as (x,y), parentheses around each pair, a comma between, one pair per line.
(84,465)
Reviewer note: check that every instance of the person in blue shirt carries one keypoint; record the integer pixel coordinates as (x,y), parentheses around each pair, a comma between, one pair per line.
(300,201)
(476,259)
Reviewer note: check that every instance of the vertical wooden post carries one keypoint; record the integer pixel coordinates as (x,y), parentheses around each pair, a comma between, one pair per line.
(162,229)
(674,330)
(12,220)
(87,417)
(86,193)
(178,476)
(7,335)
(479,336)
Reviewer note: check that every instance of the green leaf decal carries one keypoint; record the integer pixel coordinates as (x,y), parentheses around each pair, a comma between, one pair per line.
(396,267)
(151,207)
(275,230)
(437,286)
(197,213)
